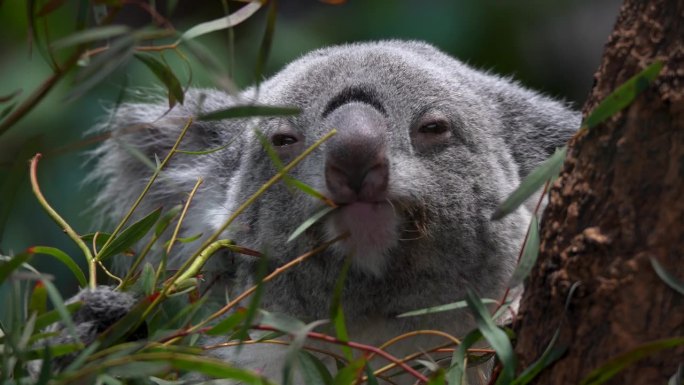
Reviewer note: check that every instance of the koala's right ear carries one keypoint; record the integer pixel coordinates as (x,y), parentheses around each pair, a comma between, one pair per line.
(140,130)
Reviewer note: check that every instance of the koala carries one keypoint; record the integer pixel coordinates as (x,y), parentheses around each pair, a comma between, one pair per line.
(426,148)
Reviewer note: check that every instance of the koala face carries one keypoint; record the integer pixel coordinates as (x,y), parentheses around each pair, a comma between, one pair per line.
(426,148)
(416,168)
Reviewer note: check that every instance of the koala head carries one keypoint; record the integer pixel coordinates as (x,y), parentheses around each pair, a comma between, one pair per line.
(426,148)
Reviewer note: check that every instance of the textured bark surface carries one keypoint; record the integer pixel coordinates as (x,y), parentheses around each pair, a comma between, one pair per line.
(618,203)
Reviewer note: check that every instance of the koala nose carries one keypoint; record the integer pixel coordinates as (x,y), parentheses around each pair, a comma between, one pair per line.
(356,166)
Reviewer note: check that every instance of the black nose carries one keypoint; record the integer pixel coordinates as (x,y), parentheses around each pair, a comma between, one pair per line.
(356,166)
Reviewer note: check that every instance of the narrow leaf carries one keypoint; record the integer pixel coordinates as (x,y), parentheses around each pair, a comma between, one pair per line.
(529,254)
(228,324)
(166,219)
(667,277)
(309,222)
(247,111)
(606,371)
(102,66)
(130,235)
(457,371)
(623,96)
(90,35)
(38,300)
(164,73)
(53,316)
(533,182)
(314,372)
(65,259)
(229,21)
(6,268)
(442,308)
(496,337)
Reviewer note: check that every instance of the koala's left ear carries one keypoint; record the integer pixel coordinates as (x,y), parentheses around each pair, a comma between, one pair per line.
(534,125)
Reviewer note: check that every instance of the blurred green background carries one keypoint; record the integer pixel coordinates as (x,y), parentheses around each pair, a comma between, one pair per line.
(550,45)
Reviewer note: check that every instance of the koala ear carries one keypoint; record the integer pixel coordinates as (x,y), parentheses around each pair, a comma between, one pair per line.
(534,125)
(149,131)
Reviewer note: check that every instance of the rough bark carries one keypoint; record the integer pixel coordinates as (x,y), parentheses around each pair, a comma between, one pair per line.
(618,203)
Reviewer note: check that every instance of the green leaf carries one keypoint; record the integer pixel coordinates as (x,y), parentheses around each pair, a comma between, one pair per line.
(305,188)
(6,268)
(441,308)
(45,368)
(126,325)
(130,235)
(61,308)
(166,219)
(533,182)
(314,372)
(139,369)
(229,21)
(606,371)
(623,95)
(552,352)
(148,279)
(216,368)
(309,222)
(50,7)
(438,378)
(457,371)
(337,311)
(164,73)
(65,259)
(250,315)
(496,337)
(529,254)
(247,111)
(38,300)
(102,66)
(668,278)
(266,43)
(228,324)
(90,35)
(209,151)
(53,316)
(349,374)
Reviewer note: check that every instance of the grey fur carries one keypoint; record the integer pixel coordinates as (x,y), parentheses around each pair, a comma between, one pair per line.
(438,238)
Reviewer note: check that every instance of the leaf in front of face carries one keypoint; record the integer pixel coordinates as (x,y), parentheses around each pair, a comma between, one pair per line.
(248,111)
(130,235)
(165,74)
(532,183)
(496,337)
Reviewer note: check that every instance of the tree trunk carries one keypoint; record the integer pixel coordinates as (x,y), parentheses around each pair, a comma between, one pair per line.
(618,203)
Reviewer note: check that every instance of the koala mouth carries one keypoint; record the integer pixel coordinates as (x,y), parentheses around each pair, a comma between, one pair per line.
(373,229)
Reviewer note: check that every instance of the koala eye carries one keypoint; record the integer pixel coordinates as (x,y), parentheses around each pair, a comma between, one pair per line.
(431,131)
(280,140)
(434,127)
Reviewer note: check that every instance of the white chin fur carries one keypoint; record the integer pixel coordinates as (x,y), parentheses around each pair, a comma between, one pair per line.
(373,229)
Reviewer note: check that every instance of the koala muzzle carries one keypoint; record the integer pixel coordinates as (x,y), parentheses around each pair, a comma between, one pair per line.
(356,165)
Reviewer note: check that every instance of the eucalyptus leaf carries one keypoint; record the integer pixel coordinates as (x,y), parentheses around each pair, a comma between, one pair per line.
(246,111)
(229,21)
(496,337)
(615,365)
(165,74)
(65,259)
(130,235)
(90,35)
(532,183)
(667,277)
(623,96)
(529,255)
